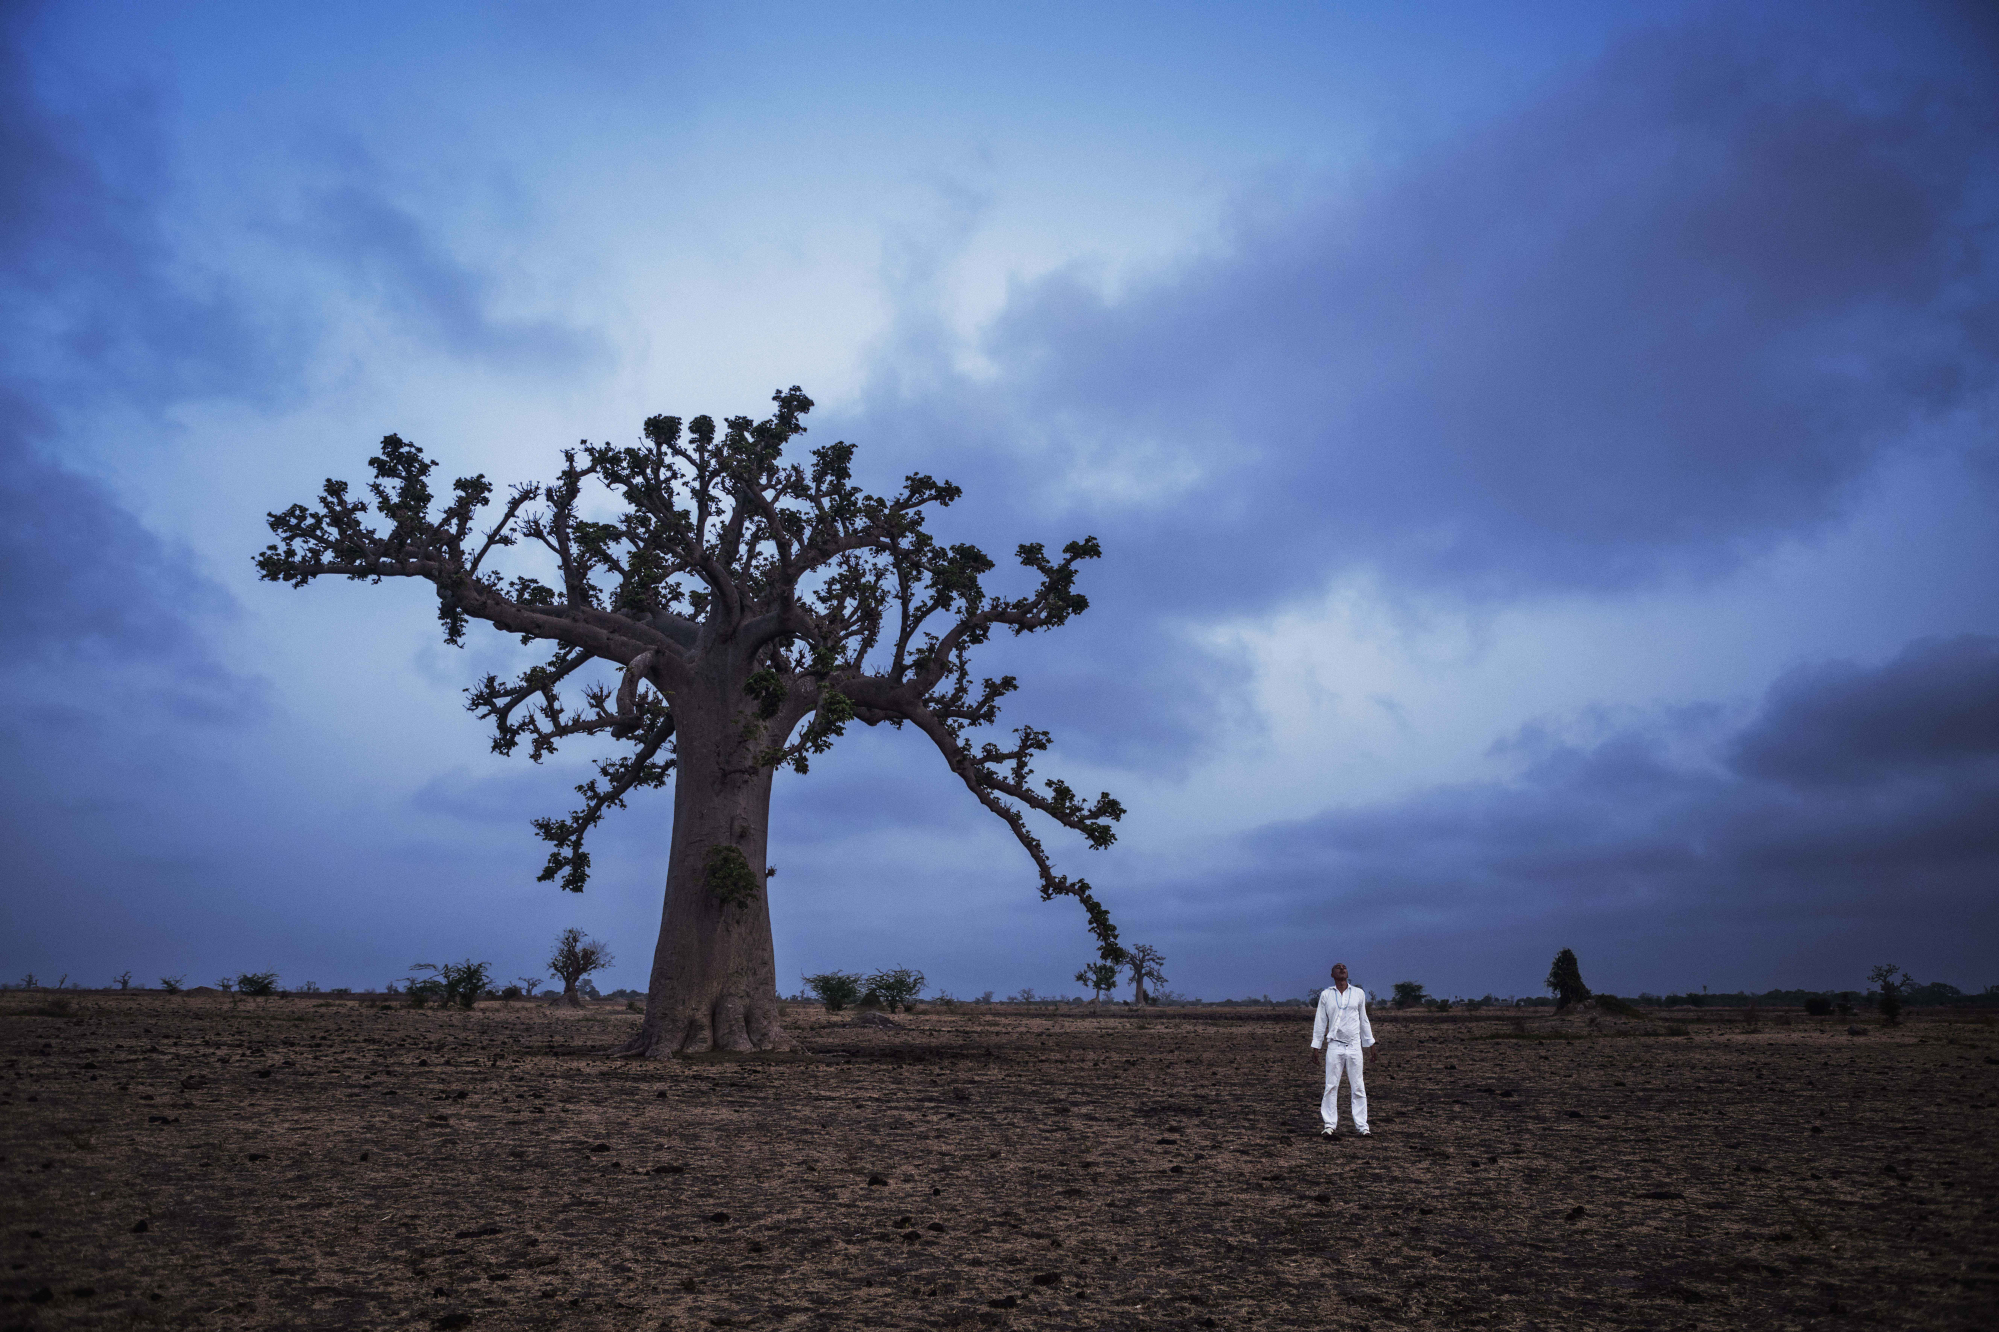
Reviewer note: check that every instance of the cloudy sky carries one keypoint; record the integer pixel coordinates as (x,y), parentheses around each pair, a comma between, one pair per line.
(1546,457)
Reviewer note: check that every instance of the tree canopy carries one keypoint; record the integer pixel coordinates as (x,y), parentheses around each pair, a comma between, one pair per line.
(723,567)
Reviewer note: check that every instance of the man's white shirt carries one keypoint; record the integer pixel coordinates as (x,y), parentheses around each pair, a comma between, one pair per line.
(1342,1018)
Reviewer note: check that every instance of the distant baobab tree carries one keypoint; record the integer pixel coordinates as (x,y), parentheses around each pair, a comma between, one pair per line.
(748,608)
(574,957)
(1145,963)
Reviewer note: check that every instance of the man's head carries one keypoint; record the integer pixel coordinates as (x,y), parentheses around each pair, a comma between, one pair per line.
(1340,974)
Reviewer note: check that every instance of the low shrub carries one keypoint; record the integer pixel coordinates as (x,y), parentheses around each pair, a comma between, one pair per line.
(894,988)
(455,984)
(835,989)
(257,983)
(1819,1006)
(172,984)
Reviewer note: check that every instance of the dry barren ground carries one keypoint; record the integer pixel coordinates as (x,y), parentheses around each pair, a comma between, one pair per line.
(303,1163)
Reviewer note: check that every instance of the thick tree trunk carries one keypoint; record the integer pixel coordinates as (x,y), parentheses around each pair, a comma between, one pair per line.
(714,973)
(569,996)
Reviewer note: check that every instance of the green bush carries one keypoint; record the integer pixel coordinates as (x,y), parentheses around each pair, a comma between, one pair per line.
(456,984)
(257,982)
(894,989)
(835,989)
(1409,994)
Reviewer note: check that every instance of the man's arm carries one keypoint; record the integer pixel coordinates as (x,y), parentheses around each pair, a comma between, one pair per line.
(1366,1027)
(1319,1023)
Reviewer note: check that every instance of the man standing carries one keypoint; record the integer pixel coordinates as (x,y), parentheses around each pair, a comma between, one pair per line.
(1341,1027)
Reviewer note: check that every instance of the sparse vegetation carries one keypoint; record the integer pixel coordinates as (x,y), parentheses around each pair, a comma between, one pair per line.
(1061,1087)
(453,983)
(1409,994)
(172,984)
(256,983)
(123,980)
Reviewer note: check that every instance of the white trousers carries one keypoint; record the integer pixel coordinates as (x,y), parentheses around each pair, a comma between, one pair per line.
(1343,1059)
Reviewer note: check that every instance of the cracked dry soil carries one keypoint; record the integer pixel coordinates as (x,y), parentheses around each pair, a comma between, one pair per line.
(316,1163)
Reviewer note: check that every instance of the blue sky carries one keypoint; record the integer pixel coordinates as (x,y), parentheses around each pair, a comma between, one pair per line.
(1544,456)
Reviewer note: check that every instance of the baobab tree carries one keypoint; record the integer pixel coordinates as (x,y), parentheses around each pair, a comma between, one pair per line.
(732,617)
(573,958)
(1145,962)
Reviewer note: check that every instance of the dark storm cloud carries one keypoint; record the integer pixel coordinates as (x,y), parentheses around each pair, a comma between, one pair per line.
(385,248)
(87,316)
(1661,318)
(1935,708)
(1859,805)
(1680,308)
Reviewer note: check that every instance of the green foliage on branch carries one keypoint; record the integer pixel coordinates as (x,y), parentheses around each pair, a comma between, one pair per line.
(1101,977)
(729,876)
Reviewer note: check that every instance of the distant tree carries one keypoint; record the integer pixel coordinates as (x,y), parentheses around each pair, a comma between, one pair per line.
(172,984)
(1892,980)
(1101,977)
(509,993)
(528,984)
(1409,994)
(123,980)
(226,984)
(1818,1006)
(727,613)
(1565,980)
(835,989)
(257,983)
(893,989)
(1144,962)
(575,957)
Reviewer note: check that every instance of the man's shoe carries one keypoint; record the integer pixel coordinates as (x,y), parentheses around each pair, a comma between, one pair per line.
(1329,1133)
(1363,1133)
